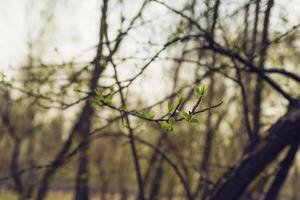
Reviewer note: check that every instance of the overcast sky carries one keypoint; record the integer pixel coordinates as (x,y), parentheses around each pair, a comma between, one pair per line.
(74,29)
(74,25)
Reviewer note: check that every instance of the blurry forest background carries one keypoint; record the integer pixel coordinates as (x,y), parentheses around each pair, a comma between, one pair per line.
(150,99)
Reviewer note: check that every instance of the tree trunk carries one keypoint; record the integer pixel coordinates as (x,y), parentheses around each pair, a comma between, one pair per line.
(209,134)
(82,126)
(31,177)
(259,82)
(124,193)
(171,189)
(82,177)
(283,133)
(14,167)
(156,181)
(59,159)
(282,174)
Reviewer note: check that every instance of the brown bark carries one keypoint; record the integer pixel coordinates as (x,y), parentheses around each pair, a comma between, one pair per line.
(283,133)
(82,177)
(208,141)
(59,158)
(259,82)
(14,167)
(31,177)
(81,127)
(156,181)
(282,174)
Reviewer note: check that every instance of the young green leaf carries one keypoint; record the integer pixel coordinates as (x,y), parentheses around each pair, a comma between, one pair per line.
(171,121)
(108,99)
(171,108)
(197,91)
(99,93)
(200,91)
(180,99)
(194,120)
(166,126)
(185,115)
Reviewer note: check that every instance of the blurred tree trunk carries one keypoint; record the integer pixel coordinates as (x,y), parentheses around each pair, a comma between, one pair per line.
(204,166)
(156,180)
(104,190)
(283,133)
(282,174)
(151,162)
(14,167)
(103,177)
(11,129)
(58,161)
(31,177)
(262,59)
(124,193)
(171,189)
(82,128)
(82,177)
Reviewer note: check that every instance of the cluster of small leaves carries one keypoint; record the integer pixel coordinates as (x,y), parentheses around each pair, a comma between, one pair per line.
(172,108)
(166,126)
(200,91)
(188,116)
(103,96)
